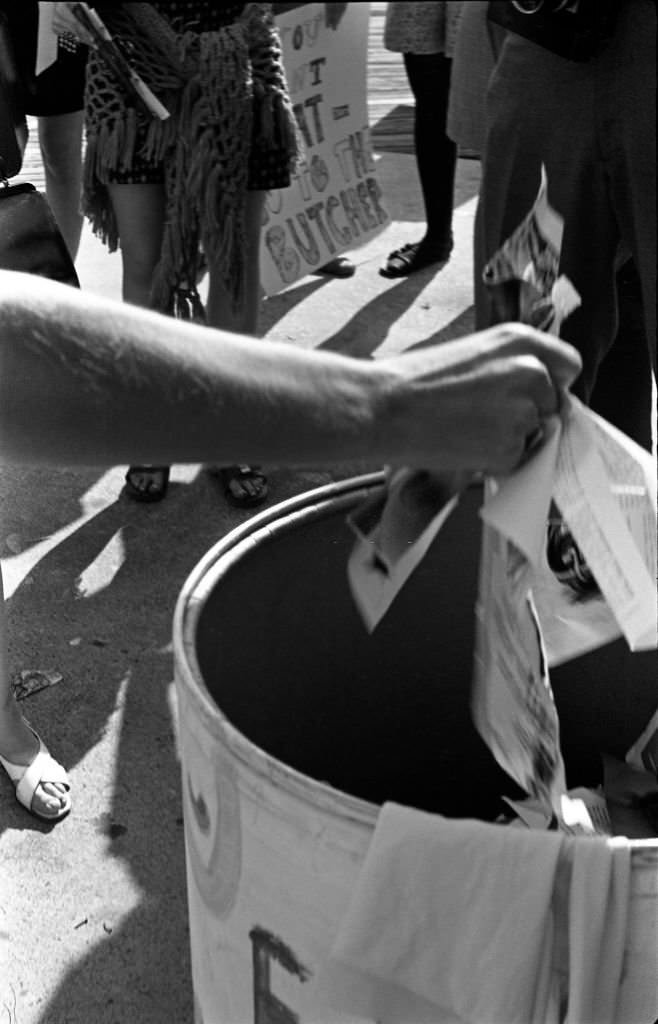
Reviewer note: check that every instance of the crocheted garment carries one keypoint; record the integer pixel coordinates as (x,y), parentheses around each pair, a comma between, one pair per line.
(220,87)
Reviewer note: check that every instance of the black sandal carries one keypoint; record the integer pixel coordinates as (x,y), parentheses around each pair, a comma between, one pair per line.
(149,490)
(244,486)
(414,256)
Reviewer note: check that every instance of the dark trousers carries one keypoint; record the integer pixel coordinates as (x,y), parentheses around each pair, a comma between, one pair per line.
(436,154)
(622,390)
(592,125)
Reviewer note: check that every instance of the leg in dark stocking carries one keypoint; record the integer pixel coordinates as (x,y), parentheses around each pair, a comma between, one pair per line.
(436,154)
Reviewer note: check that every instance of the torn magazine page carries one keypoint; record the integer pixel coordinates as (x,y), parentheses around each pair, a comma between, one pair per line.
(523,276)
(571,626)
(394,532)
(605,489)
(584,812)
(512,702)
(608,502)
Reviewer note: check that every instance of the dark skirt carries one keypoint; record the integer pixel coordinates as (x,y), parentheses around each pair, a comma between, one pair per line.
(60,89)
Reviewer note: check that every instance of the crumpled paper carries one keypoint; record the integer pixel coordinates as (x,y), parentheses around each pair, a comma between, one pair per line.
(31,680)
(586,475)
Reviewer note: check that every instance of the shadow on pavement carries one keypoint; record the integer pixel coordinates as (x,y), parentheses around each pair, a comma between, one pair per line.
(461,325)
(111,586)
(364,332)
(36,502)
(276,307)
(122,658)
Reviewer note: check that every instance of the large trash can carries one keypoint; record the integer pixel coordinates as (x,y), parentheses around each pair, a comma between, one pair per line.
(294,724)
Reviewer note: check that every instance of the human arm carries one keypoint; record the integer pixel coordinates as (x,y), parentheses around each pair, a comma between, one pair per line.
(85,380)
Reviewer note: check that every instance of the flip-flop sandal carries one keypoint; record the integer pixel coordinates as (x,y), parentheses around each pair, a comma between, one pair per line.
(154,489)
(341,266)
(411,257)
(28,778)
(235,480)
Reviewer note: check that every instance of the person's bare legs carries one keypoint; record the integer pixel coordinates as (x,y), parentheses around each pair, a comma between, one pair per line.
(60,139)
(140,214)
(17,741)
(244,486)
(219,311)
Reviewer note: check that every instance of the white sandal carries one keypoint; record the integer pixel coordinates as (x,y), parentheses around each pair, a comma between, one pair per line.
(27,779)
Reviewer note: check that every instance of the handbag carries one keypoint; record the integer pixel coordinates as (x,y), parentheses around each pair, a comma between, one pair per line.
(30,240)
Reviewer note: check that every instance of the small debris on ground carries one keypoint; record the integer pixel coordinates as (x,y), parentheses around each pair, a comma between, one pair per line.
(31,680)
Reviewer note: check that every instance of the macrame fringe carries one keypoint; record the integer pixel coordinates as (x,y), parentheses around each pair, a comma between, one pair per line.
(206,176)
(203,146)
(276,125)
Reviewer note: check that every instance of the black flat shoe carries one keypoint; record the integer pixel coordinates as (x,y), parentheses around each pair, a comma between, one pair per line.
(340,266)
(414,256)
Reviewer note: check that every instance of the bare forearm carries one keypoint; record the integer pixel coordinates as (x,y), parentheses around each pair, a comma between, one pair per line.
(83,380)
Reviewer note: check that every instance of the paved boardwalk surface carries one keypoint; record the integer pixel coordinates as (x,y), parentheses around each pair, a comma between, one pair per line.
(92,913)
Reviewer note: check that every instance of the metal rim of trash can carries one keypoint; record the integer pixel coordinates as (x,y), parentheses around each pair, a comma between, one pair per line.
(201,582)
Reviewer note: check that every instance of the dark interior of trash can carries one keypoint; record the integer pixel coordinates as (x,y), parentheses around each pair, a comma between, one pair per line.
(386,716)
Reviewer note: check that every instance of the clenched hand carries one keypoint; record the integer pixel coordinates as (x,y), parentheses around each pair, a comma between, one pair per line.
(479,403)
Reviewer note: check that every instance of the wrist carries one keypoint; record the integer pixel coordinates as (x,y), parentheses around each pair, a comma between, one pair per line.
(391,420)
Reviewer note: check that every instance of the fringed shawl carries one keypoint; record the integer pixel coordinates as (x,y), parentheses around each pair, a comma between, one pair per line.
(214,84)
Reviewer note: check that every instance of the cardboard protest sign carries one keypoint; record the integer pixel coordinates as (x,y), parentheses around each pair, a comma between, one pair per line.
(334,202)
